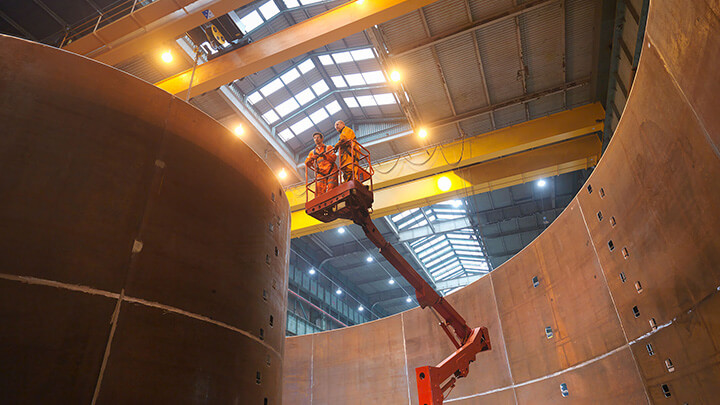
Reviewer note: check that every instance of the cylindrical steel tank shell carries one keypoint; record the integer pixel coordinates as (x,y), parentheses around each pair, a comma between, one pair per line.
(143,246)
(627,305)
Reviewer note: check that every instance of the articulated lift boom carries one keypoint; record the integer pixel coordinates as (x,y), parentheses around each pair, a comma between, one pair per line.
(353,200)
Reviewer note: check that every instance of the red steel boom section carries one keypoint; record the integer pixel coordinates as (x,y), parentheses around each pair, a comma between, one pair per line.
(353,200)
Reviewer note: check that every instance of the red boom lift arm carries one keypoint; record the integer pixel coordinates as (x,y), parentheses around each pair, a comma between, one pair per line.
(353,200)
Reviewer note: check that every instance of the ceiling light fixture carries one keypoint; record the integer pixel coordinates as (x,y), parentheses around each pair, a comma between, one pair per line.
(282,174)
(391,281)
(239,130)
(444,183)
(408,299)
(541,183)
(341,230)
(167,57)
(360,308)
(312,272)
(338,291)
(422,133)
(369,259)
(395,76)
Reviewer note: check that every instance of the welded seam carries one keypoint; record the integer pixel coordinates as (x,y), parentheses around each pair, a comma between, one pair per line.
(106,355)
(407,373)
(502,336)
(93,291)
(60,285)
(612,298)
(312,365)
(687,101)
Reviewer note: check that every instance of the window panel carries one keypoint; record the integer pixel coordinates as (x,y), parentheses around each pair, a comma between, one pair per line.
(342,57)
(254,97)
(270,117)
(269,10)
(339,81)
(291,3)
(386,99)
(301,125)
(362,54)
(251,21)
(355,79)
(374,77)
(286,134)
(306,66)
(351,102)
(271,87)
(319,116)
(366,101)
(305,96)
(287,107)
(325,59)
(291,75)
(320,87)
(333,107)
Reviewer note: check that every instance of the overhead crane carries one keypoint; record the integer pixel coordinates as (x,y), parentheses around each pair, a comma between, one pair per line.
(353,200)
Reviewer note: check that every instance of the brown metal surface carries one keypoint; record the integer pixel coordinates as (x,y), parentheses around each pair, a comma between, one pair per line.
(656,190)
(143,246)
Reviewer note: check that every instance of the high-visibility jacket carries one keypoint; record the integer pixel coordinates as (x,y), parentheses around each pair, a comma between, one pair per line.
(346,135)
(325,156)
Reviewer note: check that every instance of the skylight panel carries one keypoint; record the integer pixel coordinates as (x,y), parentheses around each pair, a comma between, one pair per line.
(339,81)
(326,60)
(403,214)
(385,99)
(355,79)
(362,54)
(287,107)
(450,216)
(305,96)
(439,259)
(270,117)
(342,57)
(366,101)
(352,103)
(306,66)
(301,125)
(250,22)
(271,87)
(333,107)
(319,116)
(254,97)
(306,2)
(374,77)
(320,87)
(286,134)
(269,10)
(291,3)
(291,75)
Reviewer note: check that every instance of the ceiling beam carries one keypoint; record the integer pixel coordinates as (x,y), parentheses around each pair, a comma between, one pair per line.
(436,229)
(149,28)
(17,26)
(328,27)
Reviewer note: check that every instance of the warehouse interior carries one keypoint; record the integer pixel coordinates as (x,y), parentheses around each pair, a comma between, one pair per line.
(485,121)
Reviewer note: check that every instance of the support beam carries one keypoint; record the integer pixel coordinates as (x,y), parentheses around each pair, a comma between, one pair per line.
(437,228)
(291,42)
(457,282)
(149,28)
(552,160)
(482,148)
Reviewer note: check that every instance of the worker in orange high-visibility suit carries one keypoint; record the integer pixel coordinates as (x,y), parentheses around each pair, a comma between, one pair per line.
(345,146)
(326,169)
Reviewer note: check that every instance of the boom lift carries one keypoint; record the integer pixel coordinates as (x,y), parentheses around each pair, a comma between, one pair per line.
(353,200)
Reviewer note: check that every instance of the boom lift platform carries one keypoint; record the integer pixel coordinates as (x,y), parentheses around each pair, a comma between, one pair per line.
(353,200)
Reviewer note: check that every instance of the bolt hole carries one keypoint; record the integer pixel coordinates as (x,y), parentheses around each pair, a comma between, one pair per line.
(548,332)
(271,227)
(650,349)
(589,189)
(602,193)
(611,245)
(277,251)
(564,390)
(612,221)
(638,287)
(265,295)
(272,196)
(258,378)
(625,253)
(271,320)
(422,376)
(267,360)
(636,311)
(666,391)
(600,216)
(622,277)
(262,334)
(535,282)
(265,402)
(267,259)
(669,365)
(653,324)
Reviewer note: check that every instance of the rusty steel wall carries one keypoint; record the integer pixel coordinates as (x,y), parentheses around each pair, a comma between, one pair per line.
(628,275)
(143,247)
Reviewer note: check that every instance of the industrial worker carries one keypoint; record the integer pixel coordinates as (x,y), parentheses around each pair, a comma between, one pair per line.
(344,147)
(324,156)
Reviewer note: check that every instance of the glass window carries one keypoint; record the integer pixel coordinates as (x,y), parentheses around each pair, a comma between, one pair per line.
(254,98)
(319,116)
(269,9)
(351,102)
(305,96)
(306,66)
(250,22)
(325,59)
(362,54)
(271,87)
(306,2)
(355,79)
(287,107)
(374,77)
(385,99)
(333,107)
(301,125)
(286,134)
(320,87)
(291,3)
(342,57)
(339,81)
(366,101)
(270,117)
(291,75)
